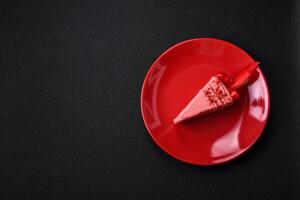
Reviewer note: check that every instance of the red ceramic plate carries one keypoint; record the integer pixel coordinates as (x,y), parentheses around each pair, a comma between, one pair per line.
(172,81)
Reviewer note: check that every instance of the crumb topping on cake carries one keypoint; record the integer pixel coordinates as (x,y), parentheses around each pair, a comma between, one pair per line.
(216,93)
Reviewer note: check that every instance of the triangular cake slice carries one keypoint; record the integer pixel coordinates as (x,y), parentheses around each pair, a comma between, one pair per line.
(213,96)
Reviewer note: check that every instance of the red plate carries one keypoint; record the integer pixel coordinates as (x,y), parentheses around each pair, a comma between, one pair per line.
(172,81)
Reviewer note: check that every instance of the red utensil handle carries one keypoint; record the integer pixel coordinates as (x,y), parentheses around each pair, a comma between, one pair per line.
(243,77)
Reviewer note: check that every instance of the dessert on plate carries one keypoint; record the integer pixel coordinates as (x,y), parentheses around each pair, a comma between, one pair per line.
(218,93)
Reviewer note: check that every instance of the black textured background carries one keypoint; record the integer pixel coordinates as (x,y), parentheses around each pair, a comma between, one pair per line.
(70,81)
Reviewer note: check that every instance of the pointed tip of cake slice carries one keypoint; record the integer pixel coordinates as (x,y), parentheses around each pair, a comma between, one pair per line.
(196,107)
(178,119)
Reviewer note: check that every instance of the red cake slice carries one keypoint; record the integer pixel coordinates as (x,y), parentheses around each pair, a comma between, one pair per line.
(218,93)
(213,96)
